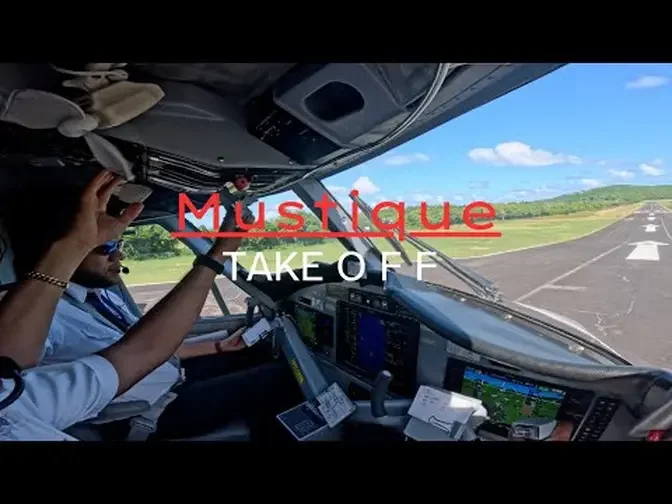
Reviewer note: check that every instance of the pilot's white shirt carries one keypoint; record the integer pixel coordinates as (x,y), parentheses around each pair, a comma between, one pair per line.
(75,333)
(56,397)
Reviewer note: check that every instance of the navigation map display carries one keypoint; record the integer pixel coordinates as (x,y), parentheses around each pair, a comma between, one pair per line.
(509,397)
(508,401)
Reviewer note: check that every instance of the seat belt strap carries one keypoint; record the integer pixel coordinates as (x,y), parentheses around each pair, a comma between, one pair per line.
(145,423)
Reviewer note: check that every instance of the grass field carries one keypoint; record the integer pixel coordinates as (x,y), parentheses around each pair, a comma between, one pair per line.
(516,234)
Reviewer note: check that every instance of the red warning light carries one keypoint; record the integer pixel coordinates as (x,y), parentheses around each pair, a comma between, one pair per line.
(241,183)
(655,435)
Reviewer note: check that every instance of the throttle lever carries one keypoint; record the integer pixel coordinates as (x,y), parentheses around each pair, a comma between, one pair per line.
(378,393)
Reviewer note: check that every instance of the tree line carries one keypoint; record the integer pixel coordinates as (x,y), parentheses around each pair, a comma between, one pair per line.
(153,241)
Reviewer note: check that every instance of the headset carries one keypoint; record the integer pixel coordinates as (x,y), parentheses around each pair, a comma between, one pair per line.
(10,370)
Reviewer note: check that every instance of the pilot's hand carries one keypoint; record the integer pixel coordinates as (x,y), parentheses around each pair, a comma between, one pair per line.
(234,342)
(229,225)
(92,226)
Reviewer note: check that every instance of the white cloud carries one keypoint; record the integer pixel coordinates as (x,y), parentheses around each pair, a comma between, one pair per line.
(406,159)
(439,200)
(336,189)
(591,182)
(459,197)
(520,154)
(365,186)
(647,81)
(601,163)
(657,162)
(420,197)
(624,174)
(651,170)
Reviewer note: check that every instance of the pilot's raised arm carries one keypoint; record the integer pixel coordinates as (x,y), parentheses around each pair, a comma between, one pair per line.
(58,396)
(27,310)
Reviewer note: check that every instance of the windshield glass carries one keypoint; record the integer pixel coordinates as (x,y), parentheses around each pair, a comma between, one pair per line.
(278,244)
(286,216)
(571,173)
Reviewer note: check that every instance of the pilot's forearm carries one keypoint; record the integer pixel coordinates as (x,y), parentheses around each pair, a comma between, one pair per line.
(27,310)
(189,350)
(158,334)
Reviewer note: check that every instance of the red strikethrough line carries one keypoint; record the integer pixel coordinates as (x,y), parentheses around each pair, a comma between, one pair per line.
(278,234)
(329,234)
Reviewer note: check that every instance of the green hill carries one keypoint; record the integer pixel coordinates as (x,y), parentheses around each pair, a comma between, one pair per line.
(584,201)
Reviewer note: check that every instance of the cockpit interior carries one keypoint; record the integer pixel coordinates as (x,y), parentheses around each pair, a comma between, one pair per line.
(381,343)
(386,356)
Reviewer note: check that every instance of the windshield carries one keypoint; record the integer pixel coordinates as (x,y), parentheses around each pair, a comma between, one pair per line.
(571,176)
(286,216)
(282,237)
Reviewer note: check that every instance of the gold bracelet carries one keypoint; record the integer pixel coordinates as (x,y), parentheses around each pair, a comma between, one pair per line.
(47,278)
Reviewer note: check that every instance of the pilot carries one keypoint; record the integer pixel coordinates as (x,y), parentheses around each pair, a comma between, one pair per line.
(88,320)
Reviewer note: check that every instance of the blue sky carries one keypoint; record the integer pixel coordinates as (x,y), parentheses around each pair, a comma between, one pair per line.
(583,126)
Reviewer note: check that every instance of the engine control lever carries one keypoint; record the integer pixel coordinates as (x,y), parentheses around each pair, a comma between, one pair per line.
(378,393)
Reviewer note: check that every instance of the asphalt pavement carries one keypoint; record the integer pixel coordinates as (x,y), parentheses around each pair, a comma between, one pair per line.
(616,282)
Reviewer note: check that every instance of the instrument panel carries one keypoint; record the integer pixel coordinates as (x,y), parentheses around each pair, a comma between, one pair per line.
(358,332)
(374,336)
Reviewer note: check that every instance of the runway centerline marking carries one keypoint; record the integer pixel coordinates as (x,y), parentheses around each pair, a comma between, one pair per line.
(572,271)
(645,251)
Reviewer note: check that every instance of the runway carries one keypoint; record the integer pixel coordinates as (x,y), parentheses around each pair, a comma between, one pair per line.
(616,282)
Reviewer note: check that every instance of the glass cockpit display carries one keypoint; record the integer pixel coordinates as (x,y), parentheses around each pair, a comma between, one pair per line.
(371,340)
(316,329)
(509,398)
(508,401)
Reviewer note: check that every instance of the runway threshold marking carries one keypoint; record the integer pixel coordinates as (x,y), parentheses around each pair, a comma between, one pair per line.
(572,271)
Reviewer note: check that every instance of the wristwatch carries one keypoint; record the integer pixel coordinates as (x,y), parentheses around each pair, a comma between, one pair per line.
(209,262)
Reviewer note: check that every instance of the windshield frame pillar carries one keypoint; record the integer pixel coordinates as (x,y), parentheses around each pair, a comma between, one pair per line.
(310,191)
(202,245)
